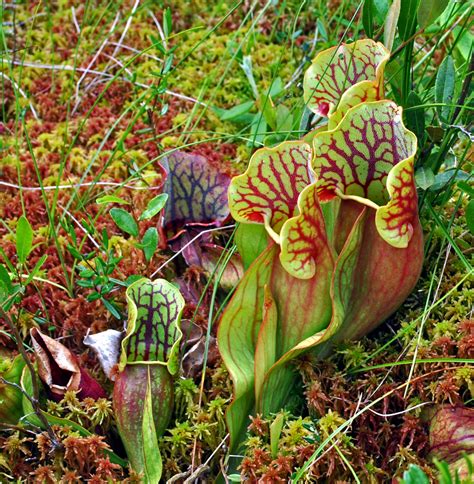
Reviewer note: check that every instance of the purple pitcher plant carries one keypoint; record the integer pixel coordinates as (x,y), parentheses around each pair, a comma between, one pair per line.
(143,395)
(345,246)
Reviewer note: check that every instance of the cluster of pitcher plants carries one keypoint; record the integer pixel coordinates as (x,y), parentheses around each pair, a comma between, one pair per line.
(345,245)
(343,249)
(331,241)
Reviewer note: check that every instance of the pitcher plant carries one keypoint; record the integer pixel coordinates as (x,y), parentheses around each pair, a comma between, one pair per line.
(345,246)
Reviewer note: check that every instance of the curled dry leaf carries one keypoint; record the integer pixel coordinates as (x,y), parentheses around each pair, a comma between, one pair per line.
(59,370)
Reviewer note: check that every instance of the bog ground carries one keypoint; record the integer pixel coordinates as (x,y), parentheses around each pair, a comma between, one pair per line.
(236,241)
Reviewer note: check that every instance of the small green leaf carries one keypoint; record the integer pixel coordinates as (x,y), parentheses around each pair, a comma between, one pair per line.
(36,269)
(167,22)
(24,239)
(464,41)
(111,199)
(424,178)
(368,18)
(430,10)
(5,278)
(449,176)
(234,478)
(470,216)
(444,87)
(124,221)
(150,243)
(276,88)
(154,206)
(111,308)
(151,452)
(74,252)
(415,475)
(6,287)
(236,111)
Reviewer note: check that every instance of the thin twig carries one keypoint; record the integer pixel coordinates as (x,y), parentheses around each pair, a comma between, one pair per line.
(125,30)
(89,236)
(199,471)
(78,185)
(120,64)
(74,20)
(402,412)
(136,51)
(92,62)
(65,67)
(406,42)
(17,428)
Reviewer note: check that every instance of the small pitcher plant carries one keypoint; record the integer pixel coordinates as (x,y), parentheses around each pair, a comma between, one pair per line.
(144,389)
(345,244)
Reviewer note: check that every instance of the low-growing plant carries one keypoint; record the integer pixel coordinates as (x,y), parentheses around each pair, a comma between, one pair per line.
(143,395)
(345,243)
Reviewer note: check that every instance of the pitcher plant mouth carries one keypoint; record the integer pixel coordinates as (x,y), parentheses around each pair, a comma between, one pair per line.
(153,333)
(368,158)
(340,209)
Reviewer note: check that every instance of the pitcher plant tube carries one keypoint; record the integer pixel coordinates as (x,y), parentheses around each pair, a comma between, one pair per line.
(345,249)
(144,390)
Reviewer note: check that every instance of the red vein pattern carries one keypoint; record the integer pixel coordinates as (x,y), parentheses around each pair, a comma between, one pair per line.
(154,309)
(197,192)
(395,220)
(334,71)
(303,237)
(268,191)
(357,157)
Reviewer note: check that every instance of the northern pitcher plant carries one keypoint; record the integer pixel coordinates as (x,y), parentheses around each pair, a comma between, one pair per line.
(345,243)
(144,388)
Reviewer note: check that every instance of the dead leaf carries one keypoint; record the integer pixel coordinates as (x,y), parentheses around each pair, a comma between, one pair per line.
(59,370)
